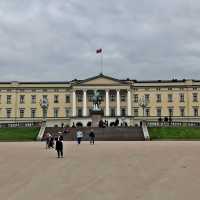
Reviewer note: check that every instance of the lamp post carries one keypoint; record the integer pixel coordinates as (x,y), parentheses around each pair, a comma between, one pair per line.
(44,104)
(143,103)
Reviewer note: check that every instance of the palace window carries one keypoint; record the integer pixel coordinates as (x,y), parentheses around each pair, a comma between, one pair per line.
(112,112)
(170,98)
(146,97)
(67,112)
(33,99)
(112,97)
(123,97)
(90,96)
(56,100)
(135,111)
(21,112)
(80,112)
(56,112)
(67,99)
(21,99)
(182,111)
(8,112)
(195,97)
(9,99)
(80,98)
(123,112)
(33,112)
(135,98)
(195,111)
(44,96)
(147,112)
(181,96)
(170,111)
(158,98)
(159,112)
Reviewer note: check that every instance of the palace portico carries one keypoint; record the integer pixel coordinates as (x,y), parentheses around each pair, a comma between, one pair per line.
(115,97)
(107,94)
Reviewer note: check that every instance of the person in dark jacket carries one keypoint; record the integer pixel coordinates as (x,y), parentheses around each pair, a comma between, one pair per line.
(59,147)
(92,136)
(51,143)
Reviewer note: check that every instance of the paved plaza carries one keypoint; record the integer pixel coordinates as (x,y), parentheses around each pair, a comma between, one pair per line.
(104,171)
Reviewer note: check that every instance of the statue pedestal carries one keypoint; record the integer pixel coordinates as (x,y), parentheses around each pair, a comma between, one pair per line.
(96,117)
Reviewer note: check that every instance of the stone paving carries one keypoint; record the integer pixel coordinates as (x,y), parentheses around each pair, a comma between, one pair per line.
(104,171)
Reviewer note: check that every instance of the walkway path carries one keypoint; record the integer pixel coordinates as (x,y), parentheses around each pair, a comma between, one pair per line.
(104,171)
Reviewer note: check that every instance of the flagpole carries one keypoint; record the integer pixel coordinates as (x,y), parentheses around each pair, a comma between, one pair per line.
(101,62)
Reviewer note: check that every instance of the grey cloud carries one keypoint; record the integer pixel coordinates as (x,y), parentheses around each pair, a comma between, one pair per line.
(56,40)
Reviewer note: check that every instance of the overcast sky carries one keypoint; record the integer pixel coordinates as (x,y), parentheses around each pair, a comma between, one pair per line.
(52,40)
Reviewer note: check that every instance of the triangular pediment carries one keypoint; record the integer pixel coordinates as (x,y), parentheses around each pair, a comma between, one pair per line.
(101,80)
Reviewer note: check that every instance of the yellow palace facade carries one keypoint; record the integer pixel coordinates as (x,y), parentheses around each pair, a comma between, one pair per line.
(128,100)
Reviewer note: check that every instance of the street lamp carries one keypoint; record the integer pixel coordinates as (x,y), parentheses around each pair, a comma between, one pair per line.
(44,104)
(143,103)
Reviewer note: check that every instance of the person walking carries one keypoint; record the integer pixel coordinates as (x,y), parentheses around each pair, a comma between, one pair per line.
(59,147)
(92,136)
(51,143)
(48,137)
(79,136)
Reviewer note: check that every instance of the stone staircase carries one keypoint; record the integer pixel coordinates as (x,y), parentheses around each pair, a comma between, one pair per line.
(102,134)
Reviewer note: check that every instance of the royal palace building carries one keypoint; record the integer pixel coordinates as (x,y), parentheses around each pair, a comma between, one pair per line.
(71,102)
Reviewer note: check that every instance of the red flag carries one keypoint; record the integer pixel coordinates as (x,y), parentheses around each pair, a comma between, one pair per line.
(98,50)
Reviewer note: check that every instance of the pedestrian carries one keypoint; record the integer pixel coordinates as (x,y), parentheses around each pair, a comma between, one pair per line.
(61,137)
(51,143)
(92,136)
(48,136)
(79,136)
(59,147)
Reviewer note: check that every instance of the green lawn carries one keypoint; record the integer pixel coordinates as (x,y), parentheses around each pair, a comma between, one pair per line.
(182,133)
(18,134)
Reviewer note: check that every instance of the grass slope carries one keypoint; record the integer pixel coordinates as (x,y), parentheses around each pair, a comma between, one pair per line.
(174,133)
(18,134)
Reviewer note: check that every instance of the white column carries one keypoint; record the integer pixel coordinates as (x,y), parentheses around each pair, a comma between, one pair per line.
(118,103)
(129,102)
(107,103)
(74,104)
(84,103)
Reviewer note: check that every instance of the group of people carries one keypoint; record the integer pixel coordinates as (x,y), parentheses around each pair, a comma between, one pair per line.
(57,141)
(80,135)
(165,120)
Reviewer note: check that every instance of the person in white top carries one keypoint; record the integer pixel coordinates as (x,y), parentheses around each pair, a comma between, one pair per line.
(79,136)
